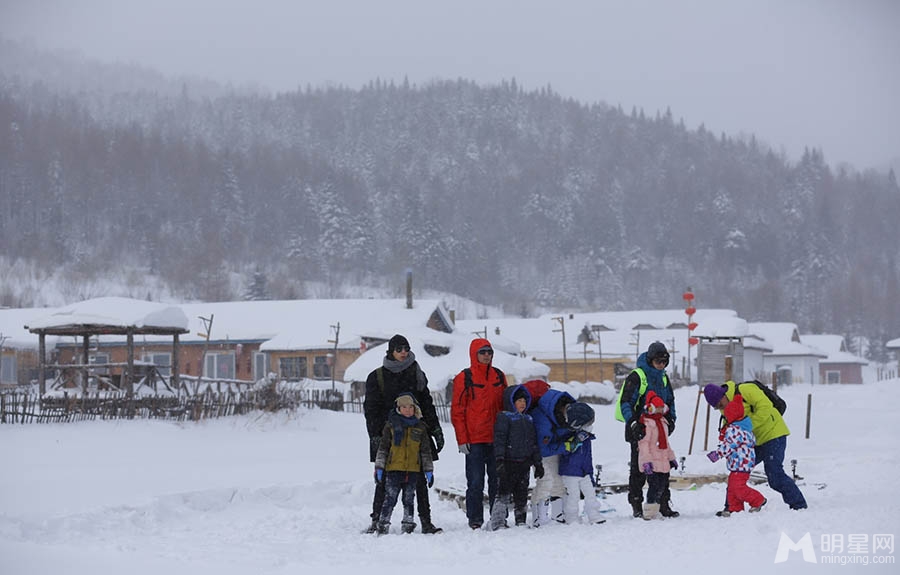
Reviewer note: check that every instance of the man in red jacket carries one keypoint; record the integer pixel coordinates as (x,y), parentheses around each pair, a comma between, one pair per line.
(477,399)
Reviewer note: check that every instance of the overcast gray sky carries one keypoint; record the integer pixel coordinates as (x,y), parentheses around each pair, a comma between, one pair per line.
(823,73)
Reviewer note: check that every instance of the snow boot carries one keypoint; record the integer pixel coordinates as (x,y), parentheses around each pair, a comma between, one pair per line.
(756,509)
(383,528)
(650,511)
(407,527)
(666,510)
(723,513)
(429,528)
(637,510)
(372,528)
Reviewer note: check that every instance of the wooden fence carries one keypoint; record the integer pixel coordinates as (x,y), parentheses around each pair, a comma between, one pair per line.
(30,407)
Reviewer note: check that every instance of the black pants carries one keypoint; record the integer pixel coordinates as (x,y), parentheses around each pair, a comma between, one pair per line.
(513,484)
(397,483)
(636,479)
(421,500)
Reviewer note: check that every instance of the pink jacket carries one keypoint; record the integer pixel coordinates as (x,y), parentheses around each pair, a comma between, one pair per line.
(649,450)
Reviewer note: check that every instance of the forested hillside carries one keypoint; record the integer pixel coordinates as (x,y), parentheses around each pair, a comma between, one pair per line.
(510,197)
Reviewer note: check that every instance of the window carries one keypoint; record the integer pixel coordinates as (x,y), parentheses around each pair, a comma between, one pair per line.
(8,369)
(219,365)
(292,367)
(832,376)
(260,366)
(162,361)
(321,369)
(98,358)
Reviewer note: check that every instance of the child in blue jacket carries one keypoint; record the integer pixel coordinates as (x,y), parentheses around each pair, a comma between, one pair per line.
(576,468)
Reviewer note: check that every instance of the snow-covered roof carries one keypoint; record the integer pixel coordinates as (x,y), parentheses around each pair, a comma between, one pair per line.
(540,337)
(893,344)
(442,369)
(834,346)
(784,338)
(113,313)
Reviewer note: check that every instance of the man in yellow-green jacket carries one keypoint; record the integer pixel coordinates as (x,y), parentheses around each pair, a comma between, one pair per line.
(770,430)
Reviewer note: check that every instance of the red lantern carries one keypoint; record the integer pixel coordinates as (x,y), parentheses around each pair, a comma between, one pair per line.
(691,310)
(688,296)
(693,340)
(692,326)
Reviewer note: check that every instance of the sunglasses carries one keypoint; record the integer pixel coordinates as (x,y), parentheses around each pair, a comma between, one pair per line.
(486,351)
(401,348)
(662,360)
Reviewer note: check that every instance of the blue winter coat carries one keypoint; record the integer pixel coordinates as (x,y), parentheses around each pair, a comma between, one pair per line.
(578,463)
(550,434)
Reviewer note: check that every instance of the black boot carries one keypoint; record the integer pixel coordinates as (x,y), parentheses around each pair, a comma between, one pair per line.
(637,510)
(429,528)
(371,528)
(665,509)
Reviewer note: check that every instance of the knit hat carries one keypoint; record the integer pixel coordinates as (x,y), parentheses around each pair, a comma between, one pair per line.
(655,404)
(714,393)
(734,410)
(657,350)
(397,341)
(520,393)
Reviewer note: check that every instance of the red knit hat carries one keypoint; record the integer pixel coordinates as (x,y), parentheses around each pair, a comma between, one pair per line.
(654,404)
(734,410)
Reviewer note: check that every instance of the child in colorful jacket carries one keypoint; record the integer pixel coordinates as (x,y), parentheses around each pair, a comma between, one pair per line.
(576,469)
(736,442)
(655,455)
(516,451)
(404,453)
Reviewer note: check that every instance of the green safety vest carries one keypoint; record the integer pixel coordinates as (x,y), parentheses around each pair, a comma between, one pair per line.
(641,392)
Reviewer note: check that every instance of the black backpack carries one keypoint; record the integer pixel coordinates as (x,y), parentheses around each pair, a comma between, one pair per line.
(779,403)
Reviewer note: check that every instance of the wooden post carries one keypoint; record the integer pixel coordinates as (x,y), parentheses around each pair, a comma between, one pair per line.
(808,412)
(85,347)
(694,425)
(706,430)
(42,351)
(129,381)
(175,364)
(775,381)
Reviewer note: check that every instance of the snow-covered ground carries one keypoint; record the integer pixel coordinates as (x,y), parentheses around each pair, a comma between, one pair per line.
(290,492)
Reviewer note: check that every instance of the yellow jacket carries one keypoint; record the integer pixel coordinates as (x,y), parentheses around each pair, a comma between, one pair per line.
(767,422)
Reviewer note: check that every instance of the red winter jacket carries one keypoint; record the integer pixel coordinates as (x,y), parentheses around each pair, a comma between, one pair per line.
(473,411)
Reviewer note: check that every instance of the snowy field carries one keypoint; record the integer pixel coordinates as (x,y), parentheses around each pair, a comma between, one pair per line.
(289,493)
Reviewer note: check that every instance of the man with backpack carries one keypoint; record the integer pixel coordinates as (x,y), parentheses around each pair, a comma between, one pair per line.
(400,373)
(770,430)
(649,375)
(477,399)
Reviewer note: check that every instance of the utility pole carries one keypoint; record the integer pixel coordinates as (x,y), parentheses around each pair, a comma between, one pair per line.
(2,339)
(562,329)
(636,336)
(337,334)
(207,326)
(596,329)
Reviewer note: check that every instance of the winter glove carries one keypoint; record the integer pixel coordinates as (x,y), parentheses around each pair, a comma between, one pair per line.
(671,423)
(379,475)
(438,436)
(713,456)
(648,468)
(674,464)
(538,470)
(501,468)
(582,436)
(638,431)
(429,478)
(464,448)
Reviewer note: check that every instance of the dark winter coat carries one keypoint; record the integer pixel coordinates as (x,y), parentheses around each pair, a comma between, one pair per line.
(474,409)
(411,453)
(632,404)
(549,422)
(514,435)
(380,402)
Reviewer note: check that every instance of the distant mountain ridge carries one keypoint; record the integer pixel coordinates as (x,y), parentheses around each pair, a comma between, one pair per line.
(521,199)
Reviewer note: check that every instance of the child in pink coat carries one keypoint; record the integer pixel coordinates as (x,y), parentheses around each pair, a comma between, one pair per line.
(655,455)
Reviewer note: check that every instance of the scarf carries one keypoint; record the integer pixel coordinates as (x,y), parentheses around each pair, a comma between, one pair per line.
(661,427)
(399,425)
(394,366)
